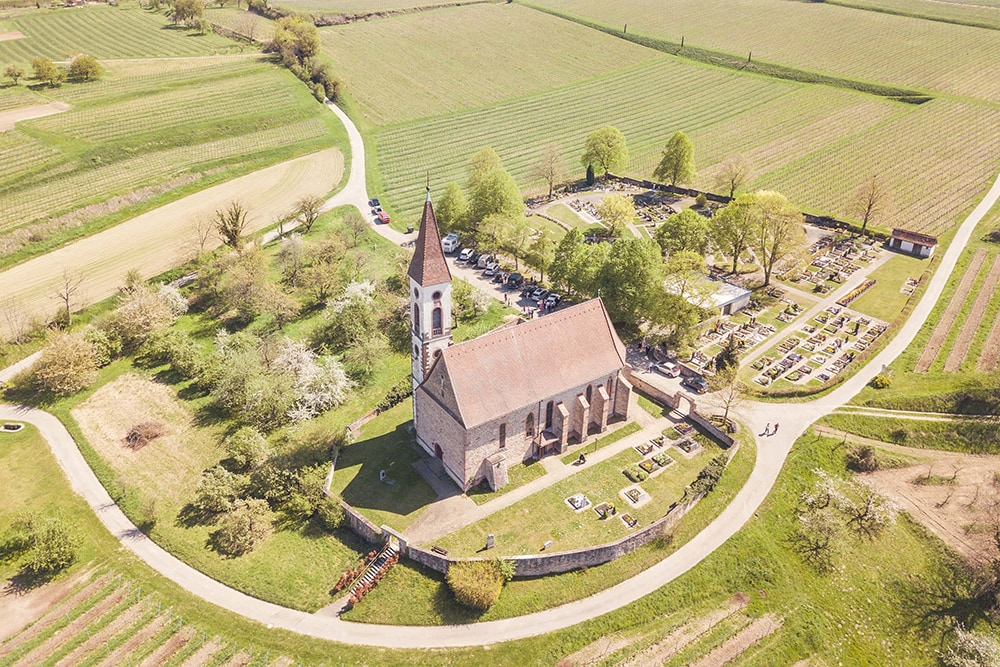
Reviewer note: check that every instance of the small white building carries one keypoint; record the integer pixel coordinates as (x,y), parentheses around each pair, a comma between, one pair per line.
(913,243)
(729,298)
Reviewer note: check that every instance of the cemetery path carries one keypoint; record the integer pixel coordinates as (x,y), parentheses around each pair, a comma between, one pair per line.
(771,453)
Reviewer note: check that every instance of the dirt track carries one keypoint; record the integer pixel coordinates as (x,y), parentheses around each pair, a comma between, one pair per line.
(161,239)
(4,36)
(10,118)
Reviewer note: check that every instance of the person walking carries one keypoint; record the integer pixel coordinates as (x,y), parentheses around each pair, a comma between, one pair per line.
(775,428)
(767,429)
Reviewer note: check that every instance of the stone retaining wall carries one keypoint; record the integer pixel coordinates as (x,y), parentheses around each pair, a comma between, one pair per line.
(673,401)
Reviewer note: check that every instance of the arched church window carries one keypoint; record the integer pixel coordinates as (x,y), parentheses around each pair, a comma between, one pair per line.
(436,321)
(529,425)
(549,407)
(416,318)
(590,391)
(503,436)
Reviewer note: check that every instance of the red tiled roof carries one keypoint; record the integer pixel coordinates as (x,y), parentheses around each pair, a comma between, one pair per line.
(914,237)
(508,369)
(428,266)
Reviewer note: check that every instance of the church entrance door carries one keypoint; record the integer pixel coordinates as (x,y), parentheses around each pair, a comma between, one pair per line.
(437,451)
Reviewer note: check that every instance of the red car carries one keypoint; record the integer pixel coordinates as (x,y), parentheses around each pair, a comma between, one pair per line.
(382,217)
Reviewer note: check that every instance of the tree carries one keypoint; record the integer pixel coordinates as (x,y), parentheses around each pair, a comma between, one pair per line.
(495,193)
(140,312)
(452,210)
(230,223)
(777,235)
(684,275)
(46,70)
(243,528)
(971,650)
(673,320)
(605,148)
(870,200)
(731,229)
(629,277)
(354,226)
(365,356)
(218,490)
(517,238)
(246,25)
(734,172)
(296,40)
(480,164)
(291,253)
(85,68)
(187,11)
(493,232)
(728,390)
(684,231)
(248,448)
(308,209)
(67,364)
(541,254)
(563,257)
(550,167)
(677,164)
(17,320)
(14,72)
(47,544)
(616,212)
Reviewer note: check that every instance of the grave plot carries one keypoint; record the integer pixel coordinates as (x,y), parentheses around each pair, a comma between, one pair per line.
(834,260)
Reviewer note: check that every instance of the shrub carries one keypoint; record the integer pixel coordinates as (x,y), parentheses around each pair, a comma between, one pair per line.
(105,346)
(399,393)
(47,545)
(880,382)
(144,433)
(331,513)
(170,346)
(67,365)
(248,448)
(243,528)
(475,584)
(218,490)
(863,458)
(701,200)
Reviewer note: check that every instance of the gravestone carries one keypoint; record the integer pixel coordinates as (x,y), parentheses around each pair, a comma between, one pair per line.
(490,541)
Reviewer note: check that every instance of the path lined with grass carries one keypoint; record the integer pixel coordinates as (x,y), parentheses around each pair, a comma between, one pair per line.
(771,454)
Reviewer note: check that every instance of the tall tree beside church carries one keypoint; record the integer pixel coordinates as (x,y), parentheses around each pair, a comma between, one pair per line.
(684,231)
(550,167)
(677,164)
(541,254)
(605,150)
(629,277)
(777,234)
(563,258)
(480,164)
(616,212)
(452,209)
(495,193)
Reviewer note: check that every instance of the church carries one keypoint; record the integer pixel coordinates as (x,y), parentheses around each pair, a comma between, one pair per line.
(522,391)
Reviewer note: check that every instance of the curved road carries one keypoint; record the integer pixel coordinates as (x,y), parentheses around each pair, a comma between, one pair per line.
(771,453)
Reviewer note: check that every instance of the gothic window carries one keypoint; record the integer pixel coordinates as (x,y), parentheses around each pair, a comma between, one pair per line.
(416,318)
(590,391)
(503,436)
(608,387)
(529,425)
(436,296)
(416,351)
(548,414)
(416,293)
(436,321)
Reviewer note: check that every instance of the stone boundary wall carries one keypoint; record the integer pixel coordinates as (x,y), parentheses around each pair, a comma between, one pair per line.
(537,565)
(713,431)
(361,526)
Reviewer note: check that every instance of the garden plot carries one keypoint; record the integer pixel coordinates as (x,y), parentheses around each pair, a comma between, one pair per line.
(947,321)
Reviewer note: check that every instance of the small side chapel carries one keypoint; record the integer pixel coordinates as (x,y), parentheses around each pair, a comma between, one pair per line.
(519,392)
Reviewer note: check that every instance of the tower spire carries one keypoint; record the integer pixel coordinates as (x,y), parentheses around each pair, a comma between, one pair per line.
(429,266)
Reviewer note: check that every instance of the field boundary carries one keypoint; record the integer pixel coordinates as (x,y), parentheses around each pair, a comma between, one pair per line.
(960,348)
(733,62)
(913,15)
(933,347)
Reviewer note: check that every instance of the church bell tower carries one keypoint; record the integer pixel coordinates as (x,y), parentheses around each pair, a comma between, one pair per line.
(430,296)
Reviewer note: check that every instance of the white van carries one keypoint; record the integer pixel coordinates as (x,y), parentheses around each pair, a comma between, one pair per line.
(450,242)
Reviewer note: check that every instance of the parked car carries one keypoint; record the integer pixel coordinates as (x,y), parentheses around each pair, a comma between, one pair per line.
(539,294)
(474,258)
(484,261)
(515,280)
(382,217)
(552,300)
(450,242)
(466,254)
(696,384)
(668,368)
(374,202)
(498,277)
(491,269)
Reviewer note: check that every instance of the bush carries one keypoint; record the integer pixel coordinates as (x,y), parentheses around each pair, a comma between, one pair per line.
(243,528)
(331,513)
(475,584)
(399,393)
(106,347)
(248,448)
(880,382)
(218,490)
(47,545)
(85,68)
(67,365)
(863,458)
(701,200)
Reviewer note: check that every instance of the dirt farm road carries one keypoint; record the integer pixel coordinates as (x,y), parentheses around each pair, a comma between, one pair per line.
(771,453)
(164,237)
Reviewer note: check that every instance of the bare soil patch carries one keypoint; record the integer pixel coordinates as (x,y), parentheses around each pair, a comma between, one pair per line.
(161,655)
(161,239)
(991,349)
(123,621)
(10,118)
(203,655)
(734,647)
(20,609)
(13,34)
(930,351)
(46,648)
(955,495)
(961,347)
(167,467)
(117,657)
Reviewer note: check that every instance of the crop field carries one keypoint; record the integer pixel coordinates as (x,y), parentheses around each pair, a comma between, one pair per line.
(357,6)
(13,98)
(236,19)
(103,32)
(931,181)
(448,53)
(868,46)
(138,129)
(980,13)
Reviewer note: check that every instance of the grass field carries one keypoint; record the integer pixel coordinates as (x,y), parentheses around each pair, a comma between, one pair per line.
(354,6)
(837,40)
(433,82)
(982,13)
(146,133)
(885,301)
(103,32)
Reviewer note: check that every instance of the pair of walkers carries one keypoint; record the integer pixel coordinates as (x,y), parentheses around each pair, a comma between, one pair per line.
(767,428)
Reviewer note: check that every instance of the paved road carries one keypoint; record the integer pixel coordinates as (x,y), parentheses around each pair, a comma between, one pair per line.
(771,453)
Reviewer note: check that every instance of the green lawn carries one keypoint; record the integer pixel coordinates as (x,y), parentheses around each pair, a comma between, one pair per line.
(621,432)
(978,437)
(517,475)
(565,214)
(525,526)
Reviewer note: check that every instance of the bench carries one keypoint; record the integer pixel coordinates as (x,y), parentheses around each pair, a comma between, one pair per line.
(439,550)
